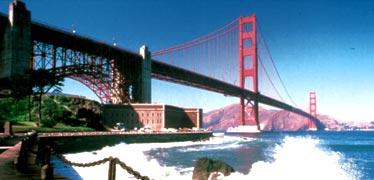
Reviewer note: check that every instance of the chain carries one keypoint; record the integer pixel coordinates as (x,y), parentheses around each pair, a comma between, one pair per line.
(102,161)
(27,141)
(136,174)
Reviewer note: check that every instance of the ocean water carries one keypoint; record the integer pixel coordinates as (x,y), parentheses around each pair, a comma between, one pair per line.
(345,155)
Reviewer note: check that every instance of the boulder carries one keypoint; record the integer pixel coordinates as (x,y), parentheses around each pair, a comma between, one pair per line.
(205,168)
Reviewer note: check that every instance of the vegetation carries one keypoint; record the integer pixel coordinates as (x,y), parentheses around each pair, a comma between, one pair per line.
(35,83)
(30,108)
(60,113)
(22,127)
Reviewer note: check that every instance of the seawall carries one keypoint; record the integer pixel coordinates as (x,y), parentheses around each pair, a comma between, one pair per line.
(91,141)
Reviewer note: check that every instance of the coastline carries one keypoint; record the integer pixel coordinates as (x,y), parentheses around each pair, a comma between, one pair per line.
(72,142)
(77,142)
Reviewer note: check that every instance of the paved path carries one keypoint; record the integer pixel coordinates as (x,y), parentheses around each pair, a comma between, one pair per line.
(7,172)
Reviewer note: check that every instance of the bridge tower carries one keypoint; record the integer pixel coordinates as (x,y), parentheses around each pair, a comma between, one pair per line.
(16,45)
(312,108)
(248,63)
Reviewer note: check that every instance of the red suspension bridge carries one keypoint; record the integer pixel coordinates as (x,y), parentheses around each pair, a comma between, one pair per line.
(233,60)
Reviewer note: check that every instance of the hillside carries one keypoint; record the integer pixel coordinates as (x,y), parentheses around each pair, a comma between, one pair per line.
(270,120)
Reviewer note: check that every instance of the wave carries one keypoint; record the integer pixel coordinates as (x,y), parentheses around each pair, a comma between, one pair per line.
(304,158)
(292,158)
(228,142)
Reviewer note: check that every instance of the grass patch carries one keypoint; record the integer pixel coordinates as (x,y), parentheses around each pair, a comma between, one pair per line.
(27,126)
(23,123)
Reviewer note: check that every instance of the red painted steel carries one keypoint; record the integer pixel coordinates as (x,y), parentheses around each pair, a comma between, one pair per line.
(215,34)
(312,108)
(248,36)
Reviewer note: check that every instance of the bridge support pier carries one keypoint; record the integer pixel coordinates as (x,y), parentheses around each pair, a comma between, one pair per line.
(242,111)
(146,85)
(254,111)
(16,48)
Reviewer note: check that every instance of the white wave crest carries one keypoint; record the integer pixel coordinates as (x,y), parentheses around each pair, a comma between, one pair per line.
(294,158)
(303,158)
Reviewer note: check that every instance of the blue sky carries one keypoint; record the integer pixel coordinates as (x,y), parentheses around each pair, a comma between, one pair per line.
(326,46)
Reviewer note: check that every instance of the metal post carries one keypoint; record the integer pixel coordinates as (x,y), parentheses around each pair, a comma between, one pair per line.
(112,169)
(242,110)
(256,112)
(46,169)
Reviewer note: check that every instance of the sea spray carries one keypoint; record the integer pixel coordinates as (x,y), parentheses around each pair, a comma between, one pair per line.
(134,156)
(289,158)
(131,155)
(303,158)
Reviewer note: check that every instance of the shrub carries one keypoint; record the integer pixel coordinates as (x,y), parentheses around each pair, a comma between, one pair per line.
(48,122)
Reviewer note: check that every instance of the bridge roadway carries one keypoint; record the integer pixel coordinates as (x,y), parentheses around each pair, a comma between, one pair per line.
(160,70)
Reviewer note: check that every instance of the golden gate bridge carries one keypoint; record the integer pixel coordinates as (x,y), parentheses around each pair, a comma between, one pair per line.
(233,60)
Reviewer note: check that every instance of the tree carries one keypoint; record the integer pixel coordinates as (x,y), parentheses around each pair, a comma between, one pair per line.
(42,81)
(6,108)
(20,85)
(13,109)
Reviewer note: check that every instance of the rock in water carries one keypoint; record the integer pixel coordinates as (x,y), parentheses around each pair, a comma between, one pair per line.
(204,167)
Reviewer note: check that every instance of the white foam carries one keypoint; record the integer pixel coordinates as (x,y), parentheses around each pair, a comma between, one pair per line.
(132,155)
(295,158)
(303,158)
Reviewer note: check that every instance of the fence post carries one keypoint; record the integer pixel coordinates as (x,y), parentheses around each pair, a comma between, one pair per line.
(112,169)
(46,169)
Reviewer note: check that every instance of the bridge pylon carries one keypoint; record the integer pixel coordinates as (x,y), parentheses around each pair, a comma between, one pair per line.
(16,44)
(146,70)
(248,64)
(312,108)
